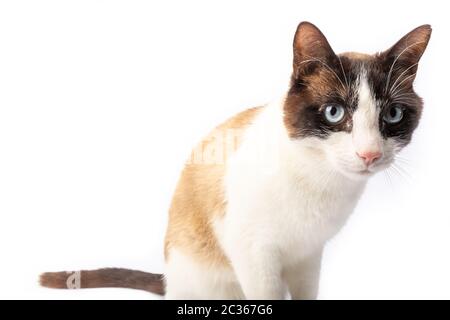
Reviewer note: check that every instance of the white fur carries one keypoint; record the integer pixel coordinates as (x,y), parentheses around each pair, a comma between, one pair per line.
(285,199)
(189,279)
(366,132)
(282,209)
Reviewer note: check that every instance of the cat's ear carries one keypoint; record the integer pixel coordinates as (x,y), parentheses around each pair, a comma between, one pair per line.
(311,48)
(407,52)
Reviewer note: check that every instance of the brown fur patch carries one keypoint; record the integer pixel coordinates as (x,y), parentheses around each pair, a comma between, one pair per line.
(199,195)
(356,56)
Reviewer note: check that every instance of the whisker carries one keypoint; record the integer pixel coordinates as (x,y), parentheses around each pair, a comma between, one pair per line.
(404,170)
(312,59)
(388,80)
(388,178)
(397,173)
(402,173)
(404,97)
(404,100)
(406,94)
(400,76)
(393,90)
(408,165)
(343,72)
(403,159)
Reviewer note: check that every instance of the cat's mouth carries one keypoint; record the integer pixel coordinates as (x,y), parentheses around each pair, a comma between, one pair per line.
(365,172)
(358,174)
(368,171)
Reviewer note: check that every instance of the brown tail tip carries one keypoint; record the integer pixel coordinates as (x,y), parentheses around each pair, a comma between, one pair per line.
(55,280)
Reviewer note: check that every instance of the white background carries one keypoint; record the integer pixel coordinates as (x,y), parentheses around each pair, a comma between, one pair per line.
(101,102)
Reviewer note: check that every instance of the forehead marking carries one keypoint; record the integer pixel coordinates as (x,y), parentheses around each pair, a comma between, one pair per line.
(366,133)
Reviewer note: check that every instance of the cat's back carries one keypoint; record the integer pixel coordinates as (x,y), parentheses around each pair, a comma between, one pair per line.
(200,196)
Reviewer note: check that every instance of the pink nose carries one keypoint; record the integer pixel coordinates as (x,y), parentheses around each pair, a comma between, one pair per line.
(369,157)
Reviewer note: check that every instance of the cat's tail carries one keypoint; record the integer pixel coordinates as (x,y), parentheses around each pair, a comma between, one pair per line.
(104,278)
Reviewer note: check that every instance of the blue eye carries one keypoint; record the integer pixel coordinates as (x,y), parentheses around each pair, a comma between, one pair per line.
(334,113)
(393,115)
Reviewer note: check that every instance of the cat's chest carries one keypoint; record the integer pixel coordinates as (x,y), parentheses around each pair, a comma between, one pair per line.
(307,219)
(297,216)
(309,212)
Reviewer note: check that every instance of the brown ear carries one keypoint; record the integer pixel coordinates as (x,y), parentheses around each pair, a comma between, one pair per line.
(402,59)
(311,48)
(411,47)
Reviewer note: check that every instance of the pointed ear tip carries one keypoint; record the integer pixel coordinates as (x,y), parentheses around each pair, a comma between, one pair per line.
(306,29)
(426,28)
(306,25)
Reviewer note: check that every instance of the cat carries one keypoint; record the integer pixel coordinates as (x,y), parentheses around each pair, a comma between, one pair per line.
(263,193)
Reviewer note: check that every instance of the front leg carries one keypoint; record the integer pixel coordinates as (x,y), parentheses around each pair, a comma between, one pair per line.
(303,278)
(258,271)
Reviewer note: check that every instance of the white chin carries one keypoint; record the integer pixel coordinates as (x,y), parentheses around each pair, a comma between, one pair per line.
(357,175)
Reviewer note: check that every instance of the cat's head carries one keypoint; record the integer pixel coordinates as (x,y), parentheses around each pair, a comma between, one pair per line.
(358,110)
